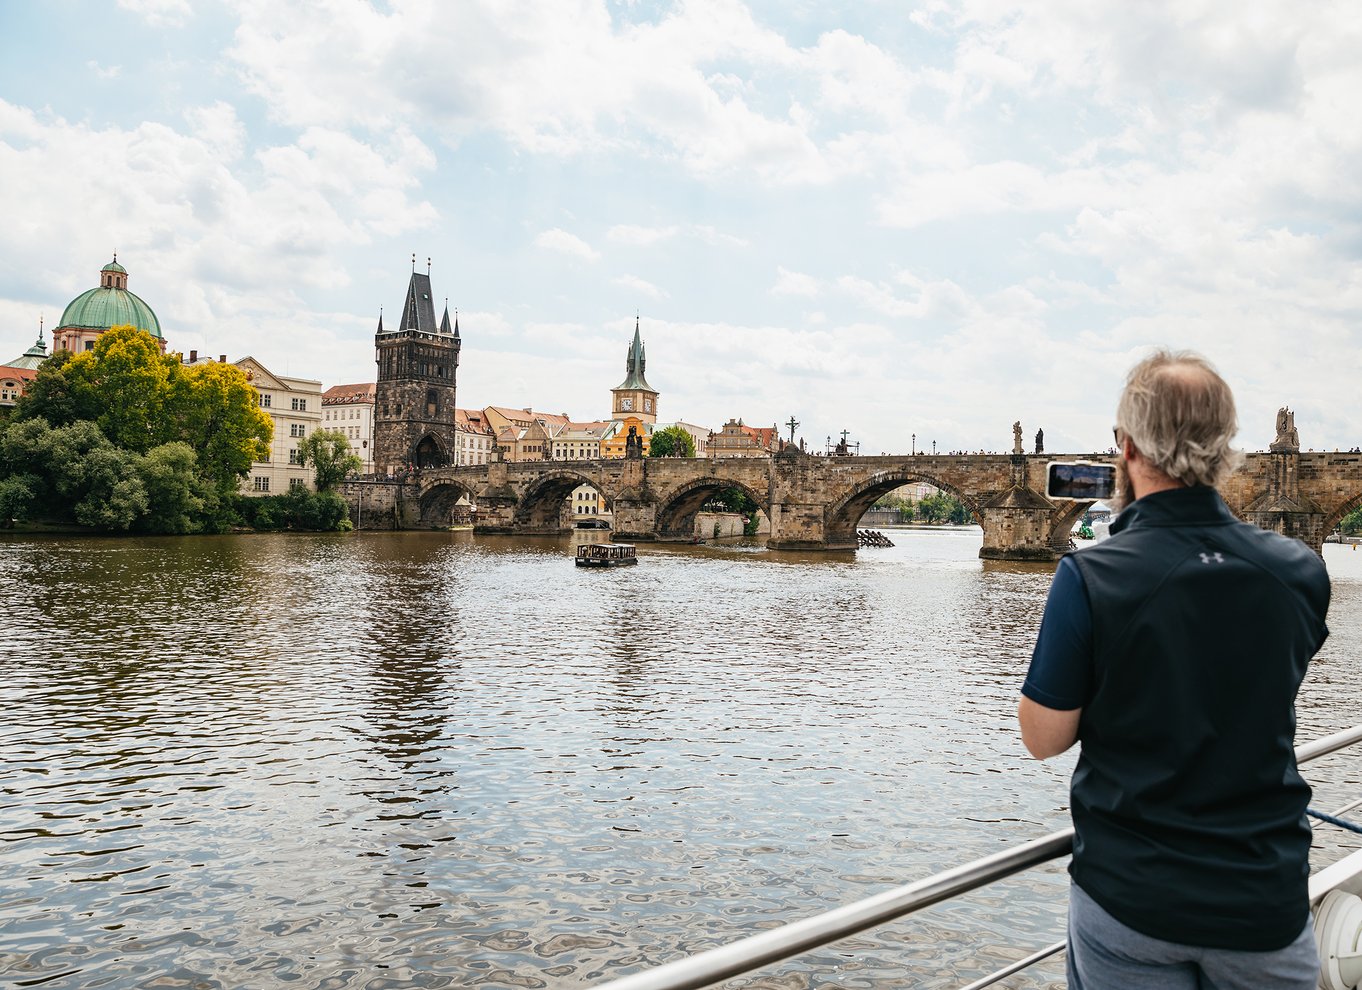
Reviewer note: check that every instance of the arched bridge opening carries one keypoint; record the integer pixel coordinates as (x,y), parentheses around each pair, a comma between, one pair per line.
(556,502)
(677,512)
(844,515)
(1065,519)
(1343,509)
(446,504)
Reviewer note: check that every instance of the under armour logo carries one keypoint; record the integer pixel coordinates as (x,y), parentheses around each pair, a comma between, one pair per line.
(1212,558)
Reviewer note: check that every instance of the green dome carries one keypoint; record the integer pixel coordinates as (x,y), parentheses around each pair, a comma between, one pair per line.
(114,266)
(102,308)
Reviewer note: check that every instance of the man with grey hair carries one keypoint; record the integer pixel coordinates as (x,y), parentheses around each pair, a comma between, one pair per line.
(1172,653)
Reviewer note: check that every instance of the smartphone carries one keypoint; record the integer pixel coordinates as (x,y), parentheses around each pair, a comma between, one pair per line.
(1080,480)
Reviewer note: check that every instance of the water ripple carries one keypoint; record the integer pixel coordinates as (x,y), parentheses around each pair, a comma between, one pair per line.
(424,760)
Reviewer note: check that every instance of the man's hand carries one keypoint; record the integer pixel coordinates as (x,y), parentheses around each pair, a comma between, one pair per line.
(1047,732)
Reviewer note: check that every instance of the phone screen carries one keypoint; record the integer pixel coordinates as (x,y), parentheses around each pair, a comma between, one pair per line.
(1080,481)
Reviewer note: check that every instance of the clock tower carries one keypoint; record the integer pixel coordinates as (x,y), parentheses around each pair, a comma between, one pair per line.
(634,397)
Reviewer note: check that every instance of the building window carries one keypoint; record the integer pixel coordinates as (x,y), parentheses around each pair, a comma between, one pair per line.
(296,430)
(264,401)
(300,405)
(261,483)
(296,484)
(293,456)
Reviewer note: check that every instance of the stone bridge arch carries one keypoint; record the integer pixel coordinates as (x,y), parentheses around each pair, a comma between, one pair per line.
(676,511)
(1335,515)
(438,501)
(540,505)
(845,512)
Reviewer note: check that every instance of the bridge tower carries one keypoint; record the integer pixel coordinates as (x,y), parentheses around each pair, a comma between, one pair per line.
(634,396)
(414,395)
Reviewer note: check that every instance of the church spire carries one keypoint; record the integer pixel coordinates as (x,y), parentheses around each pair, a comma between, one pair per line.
(634,364)
(380,320)
(444,320)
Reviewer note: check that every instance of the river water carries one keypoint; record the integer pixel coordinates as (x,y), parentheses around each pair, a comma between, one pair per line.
(433,760)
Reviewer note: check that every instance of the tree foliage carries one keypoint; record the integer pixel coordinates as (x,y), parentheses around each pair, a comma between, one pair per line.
(328,451)
(218,416)
(74,474)
(126,439)
(1351,524)
(944,508)
(671,441)
(140,399)
(298,509)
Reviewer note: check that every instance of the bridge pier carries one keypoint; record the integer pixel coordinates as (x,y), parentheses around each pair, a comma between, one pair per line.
(803,526)
(1283,508)
(496,501)
(1017,524)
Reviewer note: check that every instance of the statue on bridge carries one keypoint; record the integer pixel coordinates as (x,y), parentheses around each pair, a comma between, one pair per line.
(1017,439)
(1288,440)
(1040,441)
(633,444)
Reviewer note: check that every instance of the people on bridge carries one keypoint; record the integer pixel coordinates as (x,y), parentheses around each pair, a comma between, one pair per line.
(1172,653)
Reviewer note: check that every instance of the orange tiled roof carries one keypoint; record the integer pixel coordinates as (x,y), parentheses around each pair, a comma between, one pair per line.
(336,394)
(530,415)
(471,421)
(23,374)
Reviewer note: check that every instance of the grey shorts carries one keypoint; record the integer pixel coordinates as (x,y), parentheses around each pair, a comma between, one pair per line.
(1107,955)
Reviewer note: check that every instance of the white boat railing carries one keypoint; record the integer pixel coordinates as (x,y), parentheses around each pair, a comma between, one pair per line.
(727,961)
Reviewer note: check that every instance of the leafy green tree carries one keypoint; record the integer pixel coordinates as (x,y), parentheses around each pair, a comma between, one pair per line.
(176,496)
(131,383)
(1351,524)
(140,399)
(218,416)
(933,509)
(328,451)
(18,493)
(671,441)
(734,499)
(53,397)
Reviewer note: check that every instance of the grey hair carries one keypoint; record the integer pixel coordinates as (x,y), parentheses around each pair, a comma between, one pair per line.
(1179,413)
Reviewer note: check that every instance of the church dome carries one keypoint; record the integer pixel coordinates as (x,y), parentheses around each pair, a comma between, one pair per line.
(109,305)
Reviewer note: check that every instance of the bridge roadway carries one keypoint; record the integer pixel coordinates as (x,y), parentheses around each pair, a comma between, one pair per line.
(815,503)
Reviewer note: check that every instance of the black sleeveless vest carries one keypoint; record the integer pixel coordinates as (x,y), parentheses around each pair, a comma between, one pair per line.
(1189,814)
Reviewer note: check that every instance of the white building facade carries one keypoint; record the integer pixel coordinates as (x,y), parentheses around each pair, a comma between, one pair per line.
(295,405)
(349,410)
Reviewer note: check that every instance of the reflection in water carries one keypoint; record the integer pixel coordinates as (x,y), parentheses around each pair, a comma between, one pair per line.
(429,760)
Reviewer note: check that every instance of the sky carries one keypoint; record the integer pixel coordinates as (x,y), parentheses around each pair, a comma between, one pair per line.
(917,222)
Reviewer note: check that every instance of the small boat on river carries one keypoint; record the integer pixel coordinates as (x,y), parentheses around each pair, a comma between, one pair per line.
(606,555)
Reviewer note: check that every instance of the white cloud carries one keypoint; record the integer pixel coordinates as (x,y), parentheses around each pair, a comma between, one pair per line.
(645,236)
(222,245)
(639,285)
(790,283)
(561,241)
(625,233)
(104,72)
(159,13)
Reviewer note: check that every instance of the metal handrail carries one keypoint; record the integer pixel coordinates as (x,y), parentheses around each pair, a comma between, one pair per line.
(755,951)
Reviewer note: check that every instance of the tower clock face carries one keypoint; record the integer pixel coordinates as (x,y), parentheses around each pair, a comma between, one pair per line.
(627,404)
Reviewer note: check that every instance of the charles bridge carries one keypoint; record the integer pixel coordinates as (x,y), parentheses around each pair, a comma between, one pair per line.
(814,503)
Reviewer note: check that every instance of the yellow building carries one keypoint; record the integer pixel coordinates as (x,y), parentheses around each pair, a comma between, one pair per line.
(617,436)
